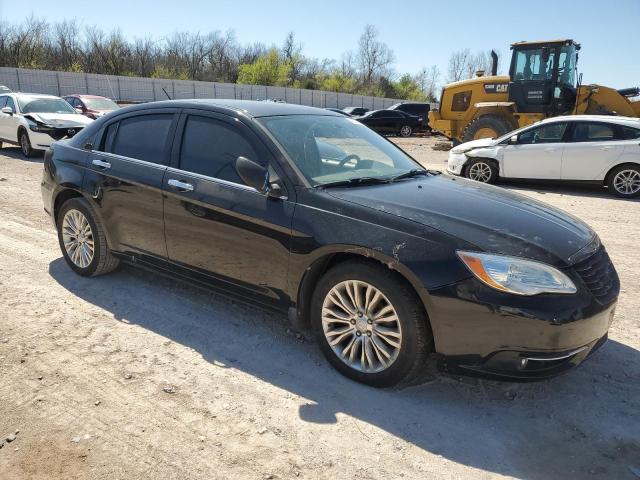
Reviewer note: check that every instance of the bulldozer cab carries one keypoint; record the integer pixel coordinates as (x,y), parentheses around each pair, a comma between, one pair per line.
(543,76)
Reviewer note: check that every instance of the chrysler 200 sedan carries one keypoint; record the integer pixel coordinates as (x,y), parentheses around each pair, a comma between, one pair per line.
(387,262)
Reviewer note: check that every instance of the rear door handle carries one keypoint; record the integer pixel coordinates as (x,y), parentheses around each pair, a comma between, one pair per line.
(549,149)
(100,163)
(182,186)
(607,148)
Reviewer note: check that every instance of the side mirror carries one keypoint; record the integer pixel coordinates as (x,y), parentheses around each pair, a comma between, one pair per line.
(7,110)
(513,140)
(79,109)
(253,174)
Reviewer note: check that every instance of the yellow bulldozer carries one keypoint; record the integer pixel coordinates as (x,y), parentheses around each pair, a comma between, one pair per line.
(542,83)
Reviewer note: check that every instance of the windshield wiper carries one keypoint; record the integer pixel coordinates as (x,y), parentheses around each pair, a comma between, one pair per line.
(354,181)
(411,173)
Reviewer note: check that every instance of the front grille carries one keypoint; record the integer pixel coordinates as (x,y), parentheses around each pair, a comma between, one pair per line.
(599,275)
(63,132)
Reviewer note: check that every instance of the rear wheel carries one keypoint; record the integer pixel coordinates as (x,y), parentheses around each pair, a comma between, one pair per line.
(406,131)
(481,170)
(624,181)
(370,324)
(486,126)
(25,144)
(82,239)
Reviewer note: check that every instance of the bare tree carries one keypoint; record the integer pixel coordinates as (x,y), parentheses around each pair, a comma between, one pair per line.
(458,64)
(428,81)
(374,57)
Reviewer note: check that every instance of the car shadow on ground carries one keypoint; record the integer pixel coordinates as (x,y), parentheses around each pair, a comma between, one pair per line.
(15,152)
(592,191)
(582,424)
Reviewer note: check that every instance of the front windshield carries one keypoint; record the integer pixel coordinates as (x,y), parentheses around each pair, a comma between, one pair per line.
(44,105)
(100,104)
(329,149)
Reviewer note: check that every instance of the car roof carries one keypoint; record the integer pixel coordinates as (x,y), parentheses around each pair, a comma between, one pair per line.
(249,108)
(630,121)
(34,95)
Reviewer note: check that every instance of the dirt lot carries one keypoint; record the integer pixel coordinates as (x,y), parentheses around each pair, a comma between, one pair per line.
(134,376)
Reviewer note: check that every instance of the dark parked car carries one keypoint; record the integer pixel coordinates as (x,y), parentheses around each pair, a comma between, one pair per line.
(417,109)
(355,111)
(92,106)
(391,122)
(388,262)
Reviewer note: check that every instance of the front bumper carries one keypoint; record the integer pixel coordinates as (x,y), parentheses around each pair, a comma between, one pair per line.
(43,140)
(480,331)
(456,162)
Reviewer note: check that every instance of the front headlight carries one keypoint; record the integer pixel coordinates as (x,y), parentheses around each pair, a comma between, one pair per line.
(516,275)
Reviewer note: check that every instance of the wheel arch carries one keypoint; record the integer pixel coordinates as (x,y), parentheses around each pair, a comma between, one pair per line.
(607,177)
(328,259)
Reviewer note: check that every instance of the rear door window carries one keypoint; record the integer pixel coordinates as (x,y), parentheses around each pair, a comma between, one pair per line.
(593,132)
(210,147)
(143,137)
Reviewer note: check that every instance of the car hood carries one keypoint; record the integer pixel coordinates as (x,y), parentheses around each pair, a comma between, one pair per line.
(482,142)
(60,119)
(493,219)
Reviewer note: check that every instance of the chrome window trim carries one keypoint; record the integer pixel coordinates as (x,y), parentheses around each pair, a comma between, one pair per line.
(219,181)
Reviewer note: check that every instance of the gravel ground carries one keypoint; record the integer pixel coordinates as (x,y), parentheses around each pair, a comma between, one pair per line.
(133,375)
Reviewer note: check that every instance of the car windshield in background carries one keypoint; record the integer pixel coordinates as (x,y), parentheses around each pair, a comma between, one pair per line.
(100,104)
(44,105)
(337,149)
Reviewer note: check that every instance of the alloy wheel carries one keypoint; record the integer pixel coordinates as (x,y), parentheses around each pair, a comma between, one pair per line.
(627,182)
(480,172)
(77,237)
(405,131)
(24,144)
(361,326)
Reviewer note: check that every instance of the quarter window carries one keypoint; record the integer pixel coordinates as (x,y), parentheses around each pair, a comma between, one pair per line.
(629,133)
(145,137)
(210,147)
(461,100)
(551,133)
(593,132)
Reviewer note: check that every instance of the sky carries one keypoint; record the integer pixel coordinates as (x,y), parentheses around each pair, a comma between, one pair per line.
(420,32)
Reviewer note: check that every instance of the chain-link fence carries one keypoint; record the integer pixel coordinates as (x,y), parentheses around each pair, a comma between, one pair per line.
(137,89)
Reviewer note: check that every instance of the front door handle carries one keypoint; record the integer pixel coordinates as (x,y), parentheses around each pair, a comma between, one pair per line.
(549,149)
(182,186)
(100,163)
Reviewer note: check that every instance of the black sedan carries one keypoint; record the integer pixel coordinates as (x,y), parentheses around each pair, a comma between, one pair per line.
(310,212)
(391,122)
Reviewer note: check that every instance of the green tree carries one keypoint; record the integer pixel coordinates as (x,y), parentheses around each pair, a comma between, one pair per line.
(268,69)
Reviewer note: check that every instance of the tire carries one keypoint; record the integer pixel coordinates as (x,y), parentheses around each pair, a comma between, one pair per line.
(102,260)
(403,363)
(486,126)
(25,144)
(405,131)
(481,170)
(624,181)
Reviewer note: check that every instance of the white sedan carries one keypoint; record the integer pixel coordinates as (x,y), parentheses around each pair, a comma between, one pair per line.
(35,121)
(603,150)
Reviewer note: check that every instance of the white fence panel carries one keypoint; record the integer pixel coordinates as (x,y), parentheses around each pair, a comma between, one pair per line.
(139,89)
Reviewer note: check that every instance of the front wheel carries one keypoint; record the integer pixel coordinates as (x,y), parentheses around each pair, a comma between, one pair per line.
(25,144)
(624,181)
(406,131)
(82,239)
(370,324)
(481,170)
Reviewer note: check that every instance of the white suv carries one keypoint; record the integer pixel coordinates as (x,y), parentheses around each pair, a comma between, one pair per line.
(604,150)
(35,121)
